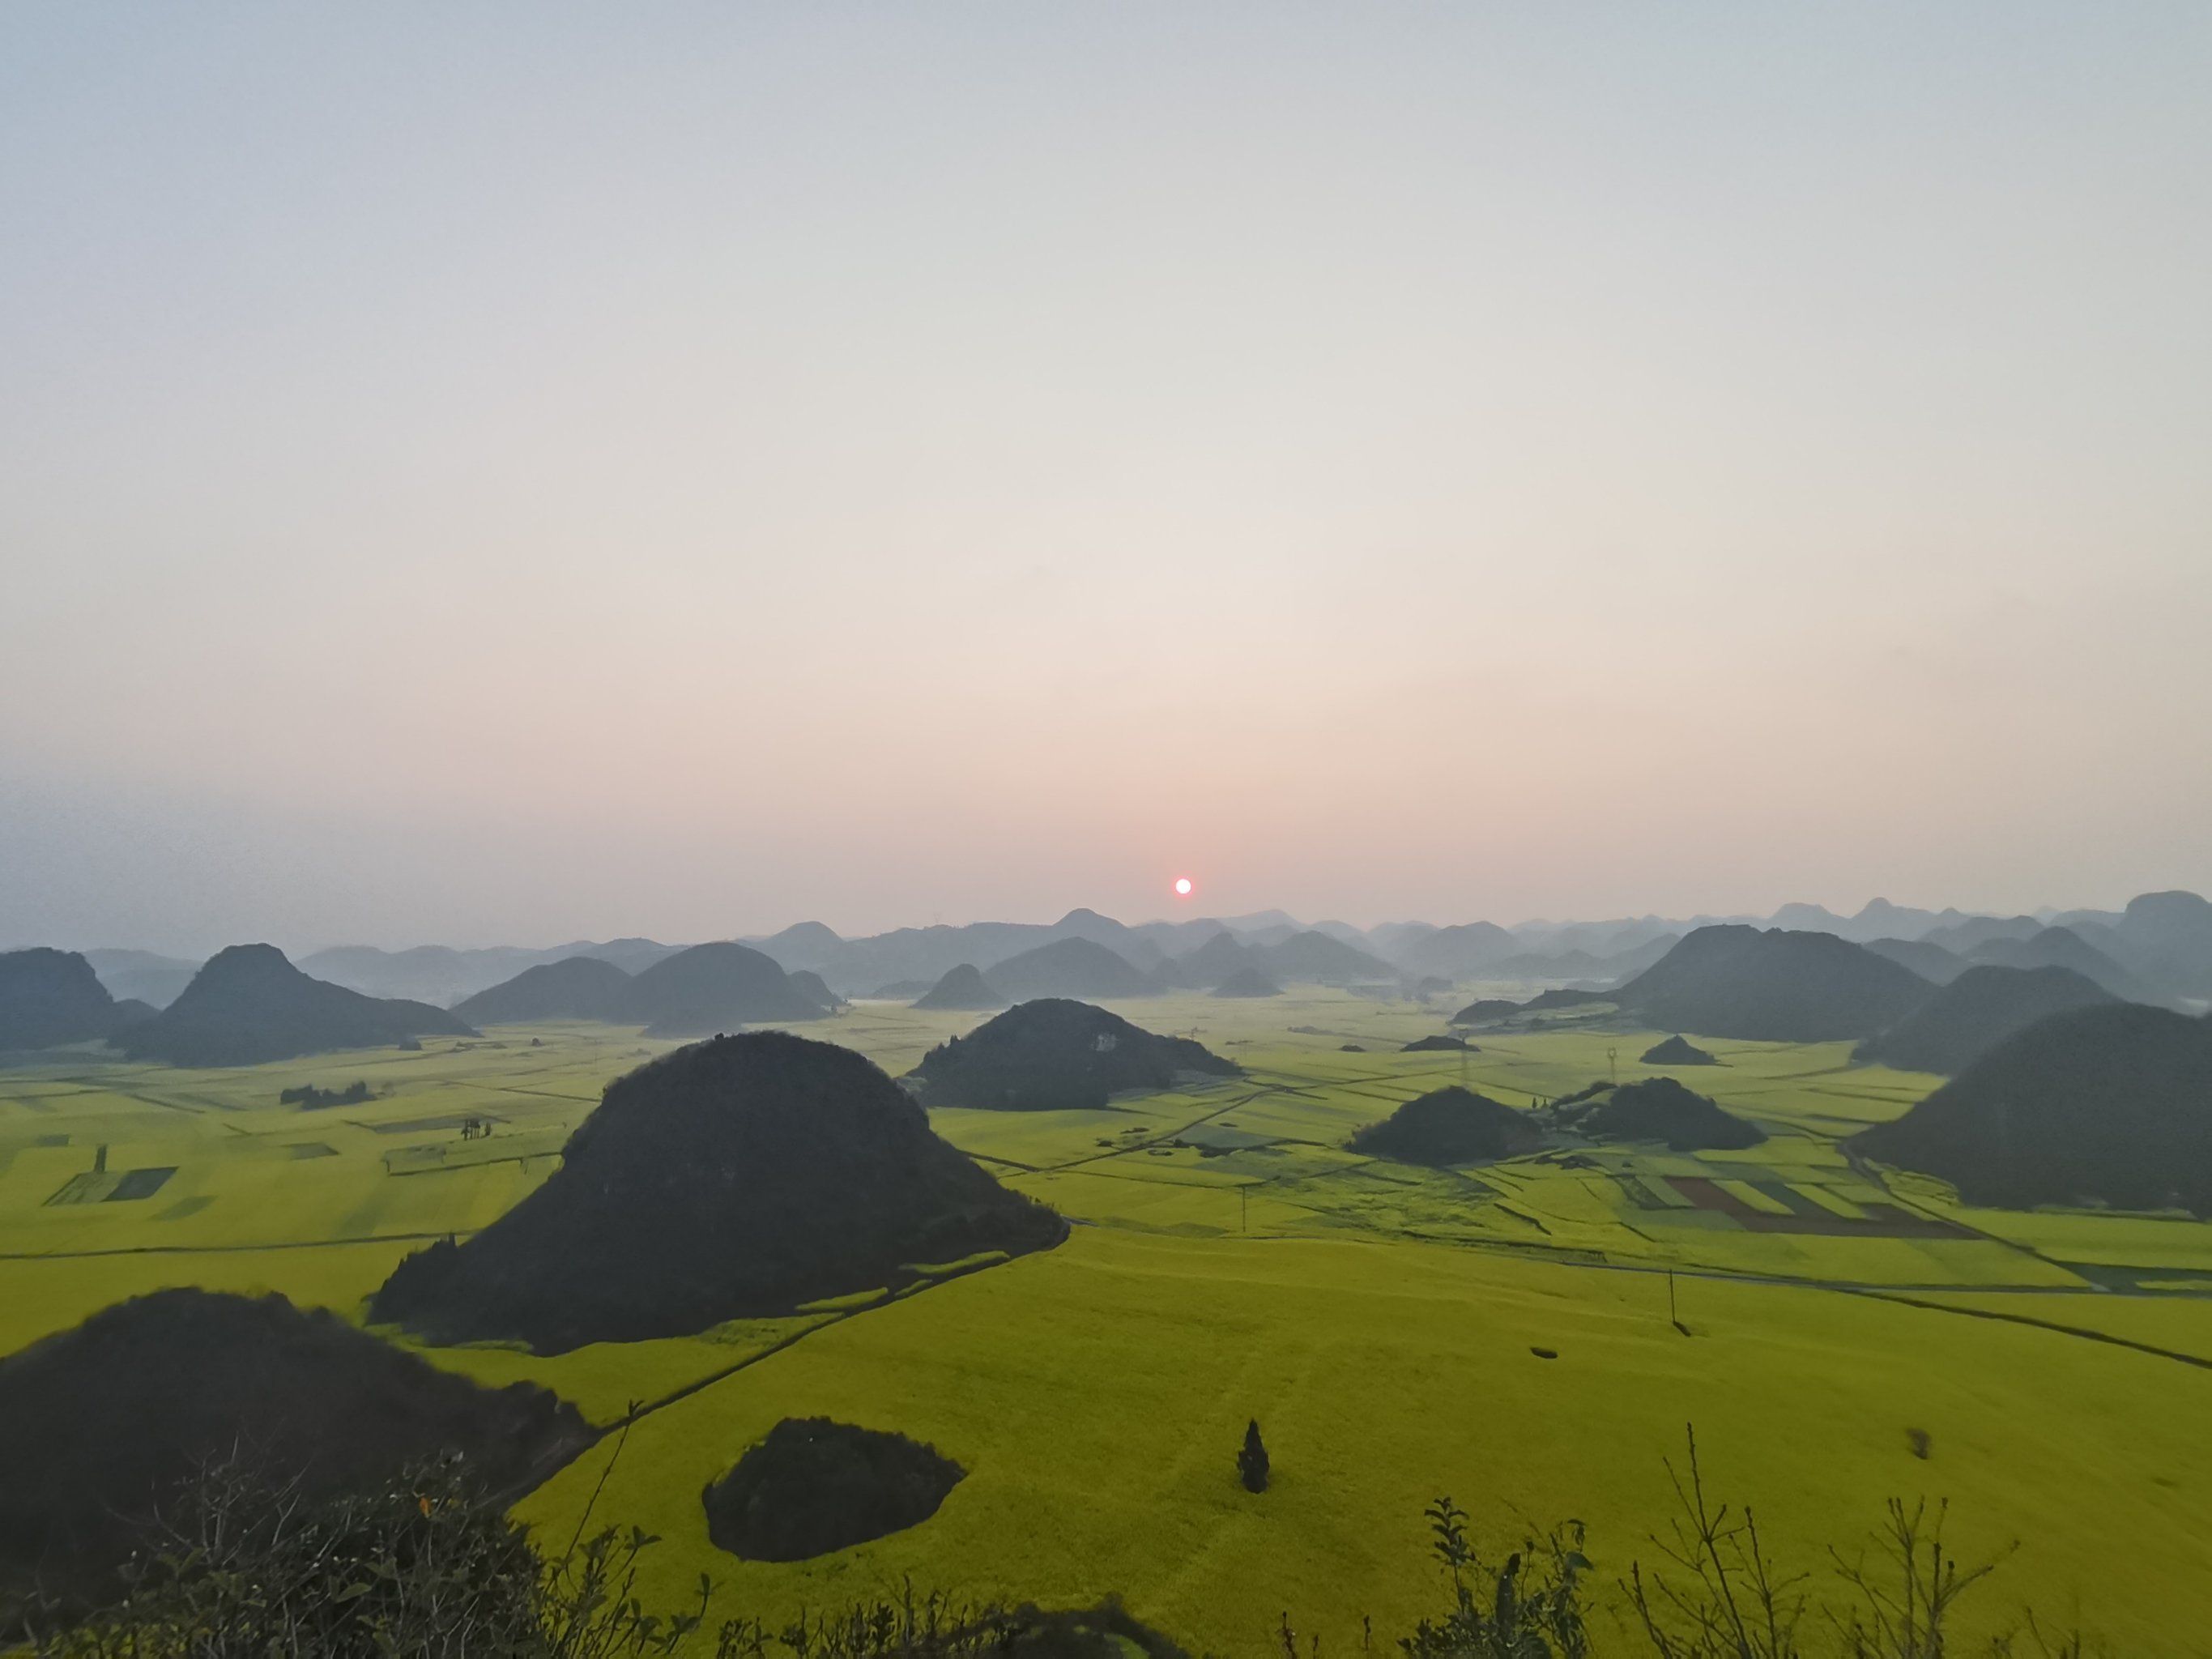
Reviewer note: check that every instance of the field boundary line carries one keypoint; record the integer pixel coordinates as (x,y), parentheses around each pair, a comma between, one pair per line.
(2199,1361)
(234,1249)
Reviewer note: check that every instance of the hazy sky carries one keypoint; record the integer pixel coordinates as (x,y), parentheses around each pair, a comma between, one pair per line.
(512,472)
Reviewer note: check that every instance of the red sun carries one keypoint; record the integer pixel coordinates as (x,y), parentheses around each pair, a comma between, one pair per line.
(1183,886)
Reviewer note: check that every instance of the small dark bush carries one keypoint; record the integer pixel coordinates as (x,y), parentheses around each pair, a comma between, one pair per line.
(814,1486)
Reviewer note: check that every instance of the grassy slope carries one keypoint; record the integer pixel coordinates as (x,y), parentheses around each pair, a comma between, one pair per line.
(1097,1393)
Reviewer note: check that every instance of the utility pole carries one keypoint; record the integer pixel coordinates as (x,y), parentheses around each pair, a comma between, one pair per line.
(1244,1209)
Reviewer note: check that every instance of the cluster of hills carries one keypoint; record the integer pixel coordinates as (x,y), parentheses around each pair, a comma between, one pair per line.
(249,1003)
(2158,948)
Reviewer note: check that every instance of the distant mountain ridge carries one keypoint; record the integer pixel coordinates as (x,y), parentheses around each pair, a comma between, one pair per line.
(2158,948)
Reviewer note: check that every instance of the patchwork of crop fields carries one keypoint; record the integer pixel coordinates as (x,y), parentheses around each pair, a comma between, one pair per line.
(1506,1333)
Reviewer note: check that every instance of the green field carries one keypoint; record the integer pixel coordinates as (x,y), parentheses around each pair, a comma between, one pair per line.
(1231,1259)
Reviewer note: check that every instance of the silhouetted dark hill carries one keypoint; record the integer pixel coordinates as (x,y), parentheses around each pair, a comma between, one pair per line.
(2167,939)
(714,988)
(101,1424)
(1626,965)
(1660,1108)
(48,998)
(961,988)
(575,987)
(1737,981)
(1974,1013)
(2109,1105)
(736,1178)
(1483,1012)
(633,956)
(803,946)
(250,1004)
(812,986)
(1247,982)
(1432,1044)
(1051,1054)
(1565,997)
(1448,1126)
(1675,1052)
(1072,967)
(2062,947)
(1964,937)
(900,990)
(1214,962)
(1931,962)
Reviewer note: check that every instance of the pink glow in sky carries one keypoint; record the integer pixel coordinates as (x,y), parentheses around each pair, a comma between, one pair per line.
(473,478)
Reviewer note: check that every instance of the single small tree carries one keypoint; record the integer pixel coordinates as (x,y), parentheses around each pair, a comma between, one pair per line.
(1252,1460)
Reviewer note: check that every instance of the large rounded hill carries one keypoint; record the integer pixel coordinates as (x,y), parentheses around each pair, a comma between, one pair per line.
(1053,1054)
(711,989)
(1772,986)
(739,1177)
(961,987)
(1975,1013)
(99,1425)
(575,987)
(249,1004)
(48,998)
(1449,1125)
(2110,1104)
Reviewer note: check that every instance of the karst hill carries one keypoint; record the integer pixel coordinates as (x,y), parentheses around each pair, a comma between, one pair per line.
(735,1178)
(1053,1054)
(1772,986)
(250,1004)
(99,1425)
(2110,1104)
(1967,1018)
